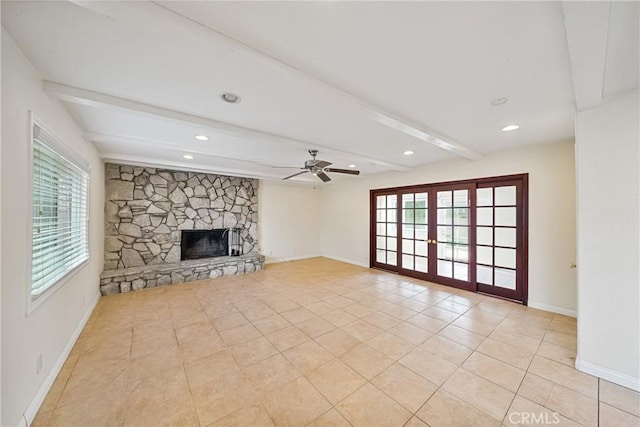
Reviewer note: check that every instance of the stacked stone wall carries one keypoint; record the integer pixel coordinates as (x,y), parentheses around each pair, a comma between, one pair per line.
(146,209)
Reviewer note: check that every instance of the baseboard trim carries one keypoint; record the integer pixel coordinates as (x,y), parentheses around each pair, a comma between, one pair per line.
(552,308)
(608,374)
(347,260)
(34,406)
(276,260)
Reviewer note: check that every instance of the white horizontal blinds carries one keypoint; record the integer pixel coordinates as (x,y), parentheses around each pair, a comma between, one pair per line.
(59,232)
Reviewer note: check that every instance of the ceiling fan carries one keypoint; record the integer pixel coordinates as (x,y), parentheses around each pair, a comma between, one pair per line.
(319,167)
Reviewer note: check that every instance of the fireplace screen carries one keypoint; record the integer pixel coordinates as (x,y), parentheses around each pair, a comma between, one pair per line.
(204,243)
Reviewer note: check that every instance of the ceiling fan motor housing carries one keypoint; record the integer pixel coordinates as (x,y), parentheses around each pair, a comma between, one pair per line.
(309,164)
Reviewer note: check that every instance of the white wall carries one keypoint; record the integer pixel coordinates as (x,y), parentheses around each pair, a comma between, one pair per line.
(607,140)
(552,283)
(49,329)
(289,220)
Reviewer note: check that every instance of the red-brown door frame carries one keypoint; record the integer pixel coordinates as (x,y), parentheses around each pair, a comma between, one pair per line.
(522,227)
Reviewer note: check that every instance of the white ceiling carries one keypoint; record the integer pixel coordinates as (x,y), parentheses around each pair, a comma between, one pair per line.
(143,78)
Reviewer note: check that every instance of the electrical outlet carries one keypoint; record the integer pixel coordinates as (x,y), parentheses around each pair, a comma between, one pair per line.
(39,364)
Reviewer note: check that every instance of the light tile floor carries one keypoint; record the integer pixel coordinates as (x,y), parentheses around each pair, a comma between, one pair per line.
(322,343)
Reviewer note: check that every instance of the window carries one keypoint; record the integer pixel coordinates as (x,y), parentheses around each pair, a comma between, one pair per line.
(59,206)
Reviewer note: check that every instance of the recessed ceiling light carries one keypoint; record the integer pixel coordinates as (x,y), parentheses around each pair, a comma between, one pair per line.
(352,166)
(231,98)
(201,137)
(188,157)
(499,101)
(408,153)
(509,128)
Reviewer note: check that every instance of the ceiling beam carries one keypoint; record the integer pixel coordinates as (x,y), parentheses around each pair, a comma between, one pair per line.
(587,28)
(100,100)
(158,14)
(209,151)
(110,157)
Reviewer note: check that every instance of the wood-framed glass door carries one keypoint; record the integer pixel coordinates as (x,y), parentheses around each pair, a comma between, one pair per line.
(384,232)
(501,260)
(451,244)
(434,234)
(414,233)
(469,234)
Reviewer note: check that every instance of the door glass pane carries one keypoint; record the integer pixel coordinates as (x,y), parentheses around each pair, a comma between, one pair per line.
(392,258)
(392,201)
(461,253)
(484,197)
(445,251)
(506,237)
(445,216)
(445,234)
(421,216)
(421,232)
(506,216)
(380,242)
(505,257)
(444,199)
(407,246)
(484,235)
(421,264)
(484,255)
(484,216)
(407,216)
(392,215)
(392,229)
(421,200)
(484,275)
(407,262)
(381,215)
(506,195)
(461,271)
(445,268)
(381,256)
(421,247)
(461,216)
(407,231)
(505,278)
(461,198)
(461,235)
(381,201)
(391,243)
(407,200)
(381,229)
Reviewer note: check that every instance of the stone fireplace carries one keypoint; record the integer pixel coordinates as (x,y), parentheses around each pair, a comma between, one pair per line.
(151,213)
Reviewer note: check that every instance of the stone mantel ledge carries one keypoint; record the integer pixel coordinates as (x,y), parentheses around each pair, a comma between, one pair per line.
(148,276)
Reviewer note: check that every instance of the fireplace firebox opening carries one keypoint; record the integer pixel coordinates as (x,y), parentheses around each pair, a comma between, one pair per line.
(204,243)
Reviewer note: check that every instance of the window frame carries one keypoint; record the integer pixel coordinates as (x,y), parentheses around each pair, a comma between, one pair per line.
(56,144)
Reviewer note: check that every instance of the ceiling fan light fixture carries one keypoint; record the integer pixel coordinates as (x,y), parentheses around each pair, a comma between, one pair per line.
(231,98)
(510,128)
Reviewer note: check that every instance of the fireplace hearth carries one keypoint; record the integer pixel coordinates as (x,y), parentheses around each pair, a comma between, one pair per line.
(197,244)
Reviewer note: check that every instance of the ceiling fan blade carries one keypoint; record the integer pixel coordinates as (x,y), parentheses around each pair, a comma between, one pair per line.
(323,164)
(323,176)
(295,174)
(347,171)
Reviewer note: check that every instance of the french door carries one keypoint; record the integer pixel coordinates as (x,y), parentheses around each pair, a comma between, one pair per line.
(468,234)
